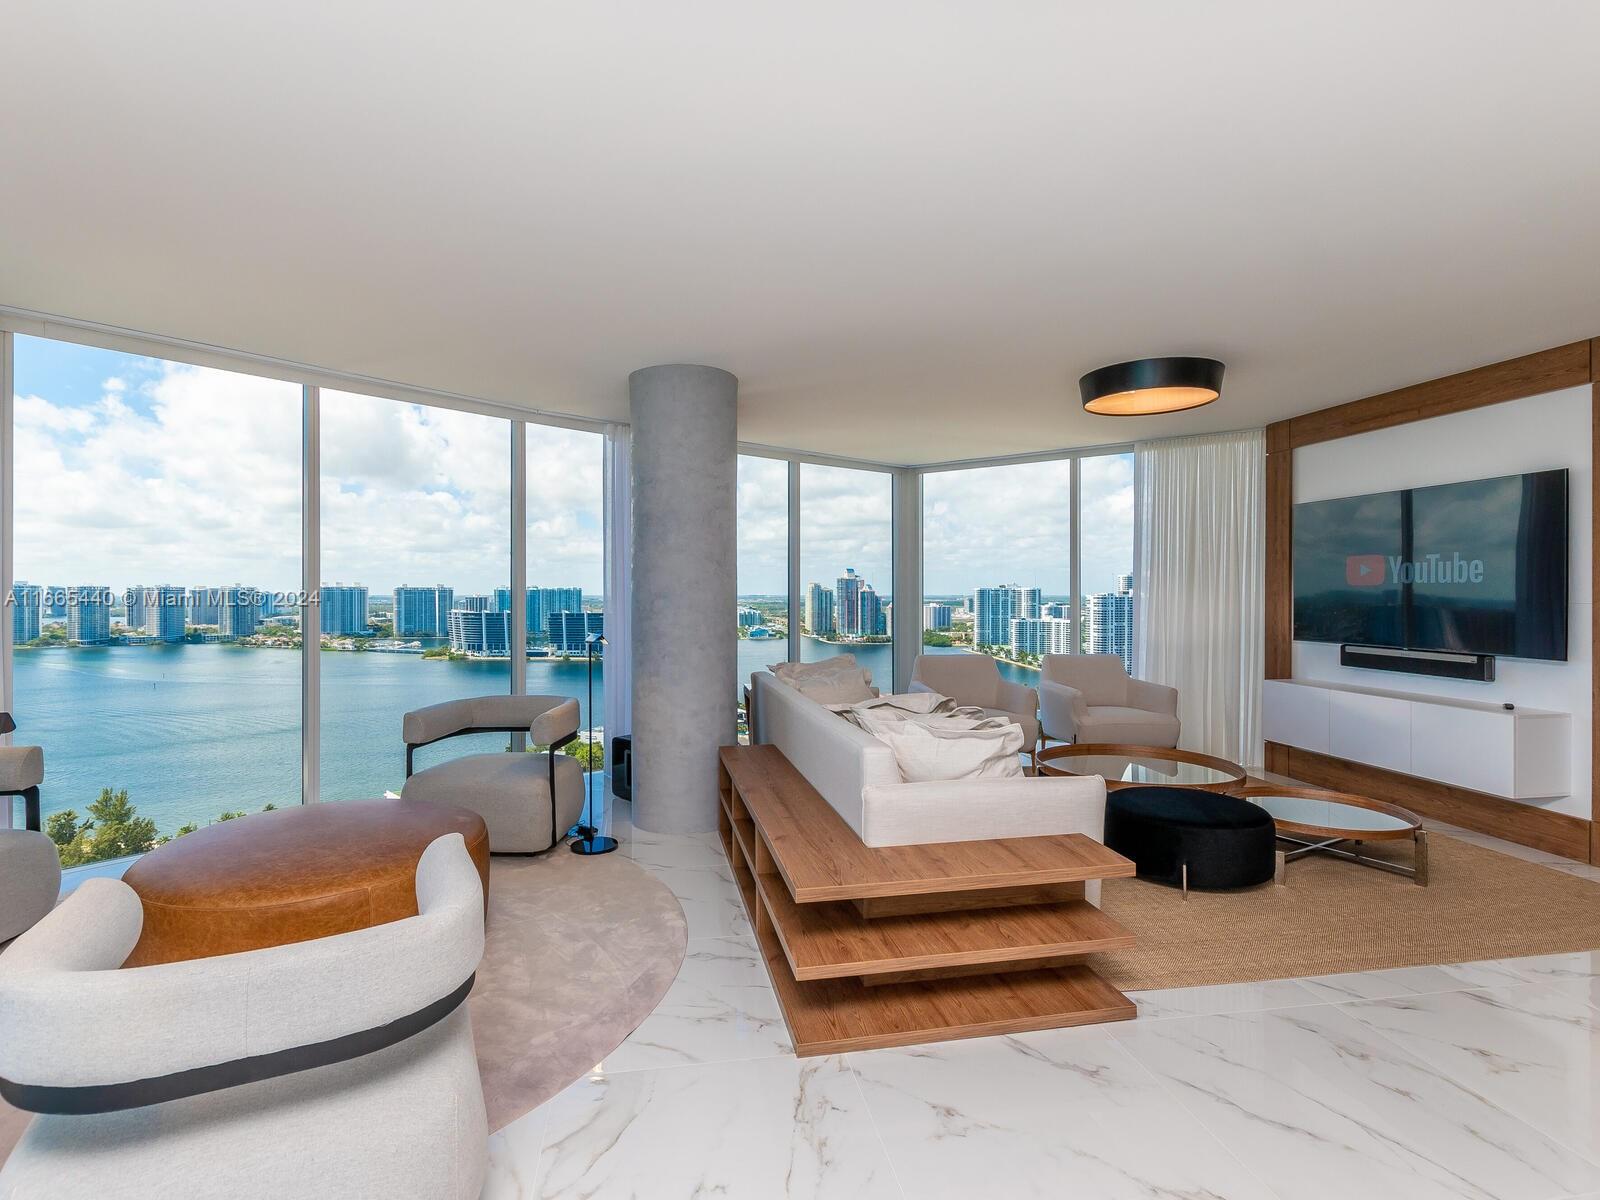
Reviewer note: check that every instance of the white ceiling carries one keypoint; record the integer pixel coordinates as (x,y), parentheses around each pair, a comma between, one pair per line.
(908,227)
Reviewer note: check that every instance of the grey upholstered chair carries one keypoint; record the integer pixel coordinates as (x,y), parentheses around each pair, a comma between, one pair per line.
(341,1066)
(21,773)
(974,679)
(511,792)
(30,868)
(1091,698)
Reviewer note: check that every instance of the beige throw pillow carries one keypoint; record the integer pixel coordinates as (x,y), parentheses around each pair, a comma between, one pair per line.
(836,680)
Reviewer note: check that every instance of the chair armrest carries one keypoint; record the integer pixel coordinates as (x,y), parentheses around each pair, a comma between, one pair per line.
(1152,697)
(555,724)
(1018,698)
(88,1024)
(1060,709)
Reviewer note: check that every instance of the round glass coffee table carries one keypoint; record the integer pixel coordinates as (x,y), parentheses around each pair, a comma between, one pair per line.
(1315,821)
(1142,766)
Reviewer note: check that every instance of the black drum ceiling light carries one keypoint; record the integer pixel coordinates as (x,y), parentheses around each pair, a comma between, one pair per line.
(1151,385)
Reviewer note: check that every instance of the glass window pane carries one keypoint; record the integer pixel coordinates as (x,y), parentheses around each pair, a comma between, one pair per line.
(416,538)
(128,521)
(846,567)
(565,602)
(763,547)
(1105,555)
(996,560)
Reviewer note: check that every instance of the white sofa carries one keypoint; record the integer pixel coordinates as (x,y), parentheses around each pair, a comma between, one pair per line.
(857,774)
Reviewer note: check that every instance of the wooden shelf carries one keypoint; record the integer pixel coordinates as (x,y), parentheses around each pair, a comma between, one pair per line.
(821,858)
(831,1016)
(992,943)
(828,941)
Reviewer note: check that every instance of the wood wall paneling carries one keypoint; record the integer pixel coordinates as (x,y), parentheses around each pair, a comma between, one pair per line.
(1531,375)
(1540,828)
(1571,365)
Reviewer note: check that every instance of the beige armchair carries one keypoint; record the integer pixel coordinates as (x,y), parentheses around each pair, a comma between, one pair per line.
(1091,698)
(528,801)
(974,679)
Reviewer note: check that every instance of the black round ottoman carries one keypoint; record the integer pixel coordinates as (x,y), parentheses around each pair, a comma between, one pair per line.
(1224,842)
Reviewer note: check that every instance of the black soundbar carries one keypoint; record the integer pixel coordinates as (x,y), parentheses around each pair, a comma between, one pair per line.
(1443,663)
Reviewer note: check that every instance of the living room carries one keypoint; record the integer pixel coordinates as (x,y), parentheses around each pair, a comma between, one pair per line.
(880,602)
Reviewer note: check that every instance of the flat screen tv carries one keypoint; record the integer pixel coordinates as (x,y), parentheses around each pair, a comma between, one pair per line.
(1478,568)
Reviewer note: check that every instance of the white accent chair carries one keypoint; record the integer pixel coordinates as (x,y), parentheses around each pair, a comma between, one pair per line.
(511,792)
(405,1122)
(1091,698)
(975,680)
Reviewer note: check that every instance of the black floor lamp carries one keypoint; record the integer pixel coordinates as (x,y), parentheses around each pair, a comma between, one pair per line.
(590,842)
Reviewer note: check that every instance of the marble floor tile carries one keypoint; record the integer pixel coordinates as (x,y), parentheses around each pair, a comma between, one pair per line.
(1531,1050)
(1582,964)
(1412,981)
(710,901)
(514,1157)
(1221,998)
(1065,1113)
(783,1128)
(1321,1107)
(720,1008)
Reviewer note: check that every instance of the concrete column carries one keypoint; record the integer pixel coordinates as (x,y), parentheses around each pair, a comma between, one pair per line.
(685,465)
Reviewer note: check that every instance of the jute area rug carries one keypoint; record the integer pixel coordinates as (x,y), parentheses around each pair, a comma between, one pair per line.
(579,951)
(1335,917)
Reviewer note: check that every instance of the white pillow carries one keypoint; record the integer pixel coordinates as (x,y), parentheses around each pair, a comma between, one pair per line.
(845,686)
(790,671)
(942,750)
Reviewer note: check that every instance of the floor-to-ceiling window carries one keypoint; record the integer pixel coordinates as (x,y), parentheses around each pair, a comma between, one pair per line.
(1105,554)
(846,566)
(762,617)
(565,599)
(416,552)
(996,563)
(155,610)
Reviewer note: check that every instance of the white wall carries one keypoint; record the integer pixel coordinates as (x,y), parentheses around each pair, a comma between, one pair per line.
(1535,434)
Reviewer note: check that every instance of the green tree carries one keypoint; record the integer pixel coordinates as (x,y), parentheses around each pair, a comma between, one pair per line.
(117,828)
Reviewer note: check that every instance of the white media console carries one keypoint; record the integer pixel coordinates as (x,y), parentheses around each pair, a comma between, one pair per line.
(1520,754)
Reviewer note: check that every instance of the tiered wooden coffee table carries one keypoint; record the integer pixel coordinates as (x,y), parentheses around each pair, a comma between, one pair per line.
(896,945)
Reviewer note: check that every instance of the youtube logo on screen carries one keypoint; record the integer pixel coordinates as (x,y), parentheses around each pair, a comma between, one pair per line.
(1365,570)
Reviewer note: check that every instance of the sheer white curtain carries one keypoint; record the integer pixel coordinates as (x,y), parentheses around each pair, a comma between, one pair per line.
(1200,606)
(618,540)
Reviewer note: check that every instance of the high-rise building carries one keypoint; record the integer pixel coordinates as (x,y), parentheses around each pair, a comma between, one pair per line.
(156,612)
(1040,635)
(873,620)
(203,605)
(994,608)
(423,611)
(238,613)
(344,609)
(89,615)
(819,610)
(847,603)
(480,628)
(1110,622)
(542,601)
(749,618)
(26,601)
(569,631)
(1057,608)
(54,603)
(937,616)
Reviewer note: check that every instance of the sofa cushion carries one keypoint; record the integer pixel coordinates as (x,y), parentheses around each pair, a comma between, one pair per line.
(1128,726)
(1028,722)
(791,671)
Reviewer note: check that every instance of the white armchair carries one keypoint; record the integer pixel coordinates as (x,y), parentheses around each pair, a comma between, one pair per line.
(1091,698)
(341,1066)
(974,679)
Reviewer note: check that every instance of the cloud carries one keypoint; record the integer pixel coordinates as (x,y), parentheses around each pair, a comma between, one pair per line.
(190,475)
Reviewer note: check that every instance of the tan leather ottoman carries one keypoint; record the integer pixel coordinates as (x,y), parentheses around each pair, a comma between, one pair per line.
(290,875)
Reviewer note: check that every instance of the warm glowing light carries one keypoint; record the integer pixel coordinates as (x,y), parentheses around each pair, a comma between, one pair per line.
(1151,400)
